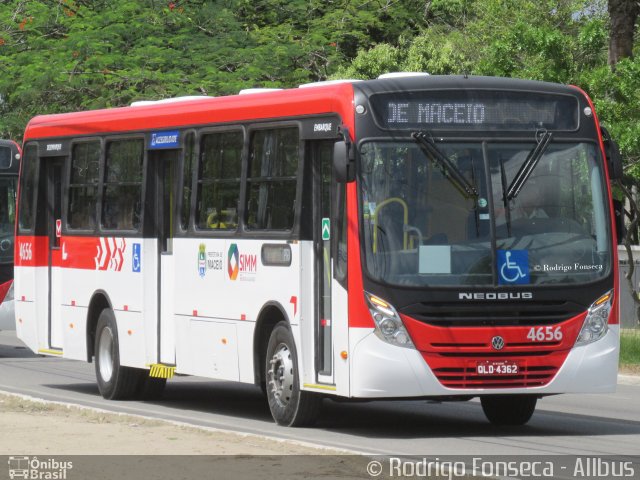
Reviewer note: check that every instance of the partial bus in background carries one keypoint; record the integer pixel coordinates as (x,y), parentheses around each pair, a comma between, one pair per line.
(407,237)
(9,167)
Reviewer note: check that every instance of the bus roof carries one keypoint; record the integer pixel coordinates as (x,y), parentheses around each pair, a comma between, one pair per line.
(323,99)
(257,106)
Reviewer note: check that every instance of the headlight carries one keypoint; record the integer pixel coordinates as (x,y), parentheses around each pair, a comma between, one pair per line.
(597,322)
(389,326)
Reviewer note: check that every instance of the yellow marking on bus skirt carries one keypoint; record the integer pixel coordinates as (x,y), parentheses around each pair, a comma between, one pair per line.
(158,370)
(49,351)
(321,387)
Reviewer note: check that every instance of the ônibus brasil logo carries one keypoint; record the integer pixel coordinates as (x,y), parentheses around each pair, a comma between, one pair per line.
(238,263)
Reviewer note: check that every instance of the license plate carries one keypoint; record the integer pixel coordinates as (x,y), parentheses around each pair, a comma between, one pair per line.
(497,368)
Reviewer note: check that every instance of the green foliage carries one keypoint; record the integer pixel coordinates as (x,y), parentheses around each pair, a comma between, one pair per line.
(617,99)
(508,38)
(630,347)
(439,52)
(66,55)
(371,63)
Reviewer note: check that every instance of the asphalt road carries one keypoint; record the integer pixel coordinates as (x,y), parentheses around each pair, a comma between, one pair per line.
(566,424)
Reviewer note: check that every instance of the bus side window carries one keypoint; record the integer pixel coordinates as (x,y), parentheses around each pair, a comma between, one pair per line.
(28,187)
(272,179)
(83,185)
(219,180)
(121,204)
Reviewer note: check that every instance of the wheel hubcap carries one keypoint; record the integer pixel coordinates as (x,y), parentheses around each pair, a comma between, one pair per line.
(281,375)
(105,354)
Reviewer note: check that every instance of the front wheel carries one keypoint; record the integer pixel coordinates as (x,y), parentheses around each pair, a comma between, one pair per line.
(289,405)
(509,409)
(115,382)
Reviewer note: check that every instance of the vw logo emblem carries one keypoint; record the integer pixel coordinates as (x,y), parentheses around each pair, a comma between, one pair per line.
(497,343)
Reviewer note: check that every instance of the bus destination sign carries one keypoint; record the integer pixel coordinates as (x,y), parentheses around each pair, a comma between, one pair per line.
(434,113)
(476,110)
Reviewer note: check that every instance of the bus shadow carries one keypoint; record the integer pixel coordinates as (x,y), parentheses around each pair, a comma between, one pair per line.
(402,419)
(426,419)
(16,351)
(206,397)
(220,398)
(89,389)
(381,419)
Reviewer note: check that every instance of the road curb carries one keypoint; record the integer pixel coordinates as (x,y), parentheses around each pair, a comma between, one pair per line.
(324,449)
(625,379)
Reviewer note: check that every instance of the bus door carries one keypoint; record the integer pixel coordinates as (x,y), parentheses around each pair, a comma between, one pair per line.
(164,163)
(322,232)
(52,168)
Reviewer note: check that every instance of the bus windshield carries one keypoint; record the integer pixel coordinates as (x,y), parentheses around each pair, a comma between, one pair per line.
(7,217)
(423,227)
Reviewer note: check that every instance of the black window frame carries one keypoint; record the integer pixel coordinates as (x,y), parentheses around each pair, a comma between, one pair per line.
(104,184)
(197,182)
(67,186)
(188,227)
(35,164)
(294,231)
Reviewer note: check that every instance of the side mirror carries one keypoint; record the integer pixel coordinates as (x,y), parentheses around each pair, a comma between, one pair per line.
(344,158)
(618,210)
(341,161)
(612,151)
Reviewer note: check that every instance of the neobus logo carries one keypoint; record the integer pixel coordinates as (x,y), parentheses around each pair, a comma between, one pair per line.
(496,296)
(238,263)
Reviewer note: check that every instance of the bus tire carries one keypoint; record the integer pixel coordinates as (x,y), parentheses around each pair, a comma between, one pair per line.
(511,410)
(290,406)
(115,382)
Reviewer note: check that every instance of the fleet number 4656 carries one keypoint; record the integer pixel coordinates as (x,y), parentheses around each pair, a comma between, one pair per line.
(545,334)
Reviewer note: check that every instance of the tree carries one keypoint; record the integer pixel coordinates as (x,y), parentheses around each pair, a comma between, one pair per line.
(623,16)
(65,55)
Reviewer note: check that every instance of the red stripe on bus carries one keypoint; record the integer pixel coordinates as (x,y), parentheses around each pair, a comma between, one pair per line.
(4,288)
(31,251)
(614,317)
(359,315)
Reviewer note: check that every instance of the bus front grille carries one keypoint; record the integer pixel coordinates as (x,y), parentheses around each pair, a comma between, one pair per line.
(467,377)
(492,314)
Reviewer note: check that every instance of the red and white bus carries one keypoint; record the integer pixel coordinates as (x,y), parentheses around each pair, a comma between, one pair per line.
(407,237)
(9,166)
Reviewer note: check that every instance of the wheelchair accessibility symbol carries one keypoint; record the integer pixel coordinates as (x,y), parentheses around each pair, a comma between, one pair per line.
(513,267)
(135,259)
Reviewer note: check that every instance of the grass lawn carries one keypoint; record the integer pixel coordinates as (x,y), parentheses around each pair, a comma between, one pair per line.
(630,350)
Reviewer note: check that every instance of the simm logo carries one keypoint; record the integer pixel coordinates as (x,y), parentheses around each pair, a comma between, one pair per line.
(240,264)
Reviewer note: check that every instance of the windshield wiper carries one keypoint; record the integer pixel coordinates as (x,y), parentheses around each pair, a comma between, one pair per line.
(528,166)
(507,210)
(428,146)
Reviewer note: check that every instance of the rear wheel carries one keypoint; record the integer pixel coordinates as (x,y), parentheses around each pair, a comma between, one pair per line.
(509,409)
(115,382)
(289,405)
